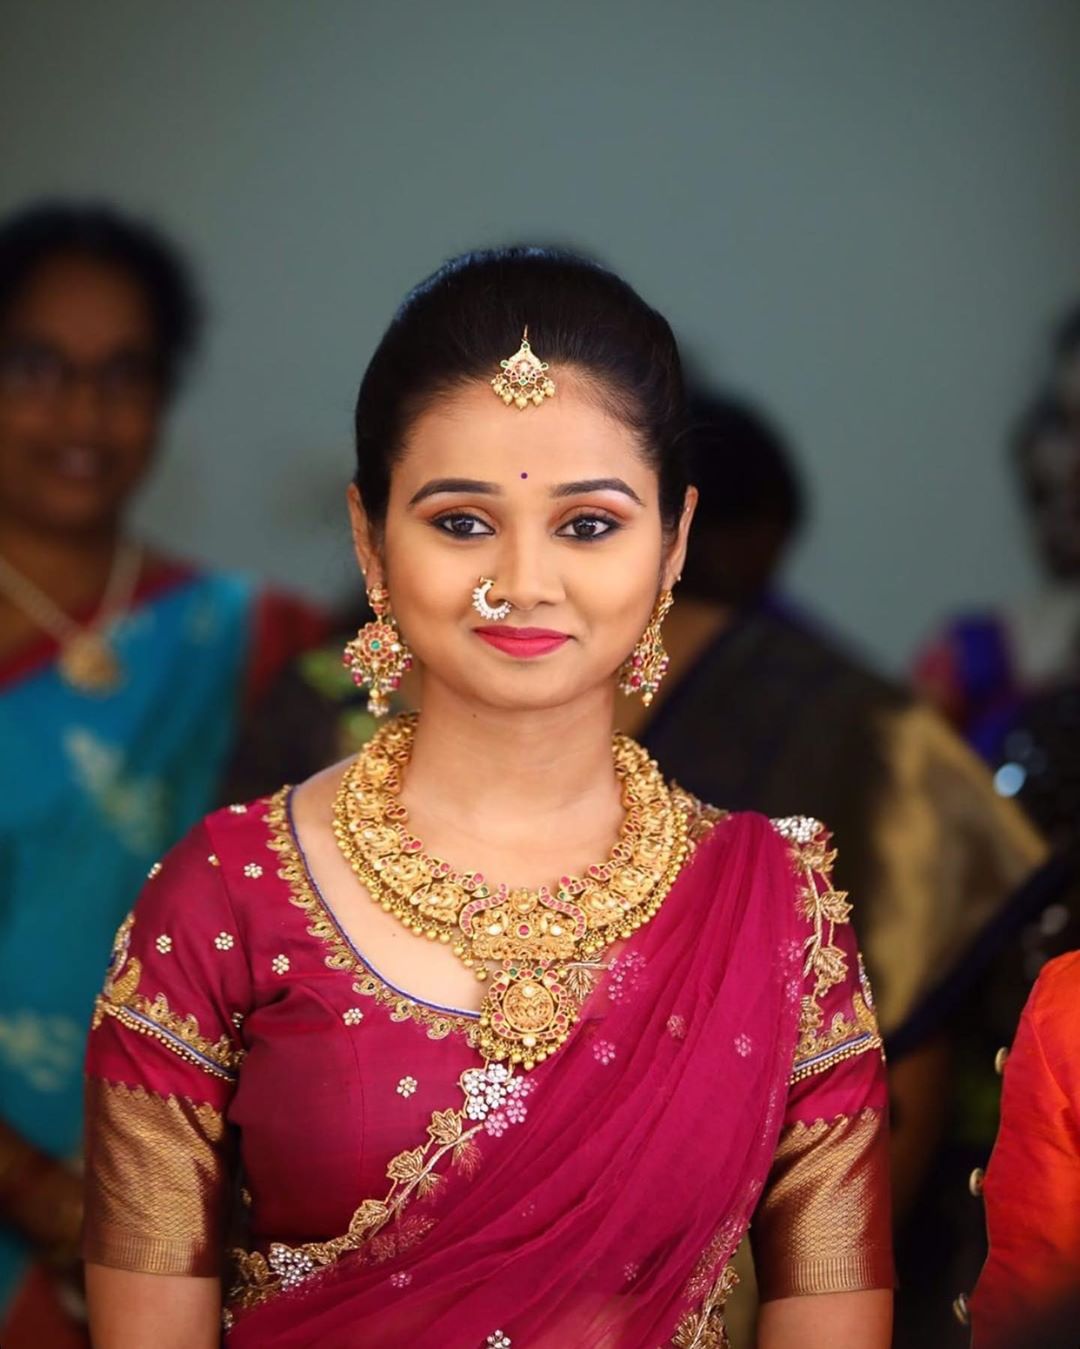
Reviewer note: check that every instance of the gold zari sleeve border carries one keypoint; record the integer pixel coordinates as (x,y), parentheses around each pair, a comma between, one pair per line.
(824,1224)
(156,1181)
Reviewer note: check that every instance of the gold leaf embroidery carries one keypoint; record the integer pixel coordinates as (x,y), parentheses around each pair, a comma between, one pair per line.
(466,1157)
(445,1126)
(180,1033)
(407,1166)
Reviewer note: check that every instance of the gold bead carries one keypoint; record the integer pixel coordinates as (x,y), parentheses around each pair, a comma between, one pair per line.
(482,973)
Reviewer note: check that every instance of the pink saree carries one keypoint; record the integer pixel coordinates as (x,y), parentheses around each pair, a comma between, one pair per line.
(602,1219)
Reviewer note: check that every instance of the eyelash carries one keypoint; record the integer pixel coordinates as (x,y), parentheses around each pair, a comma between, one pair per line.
(444,524)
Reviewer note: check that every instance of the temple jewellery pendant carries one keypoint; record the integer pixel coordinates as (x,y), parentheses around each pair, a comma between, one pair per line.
(493,613)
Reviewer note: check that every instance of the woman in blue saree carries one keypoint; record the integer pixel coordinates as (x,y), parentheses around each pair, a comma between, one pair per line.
(122,678)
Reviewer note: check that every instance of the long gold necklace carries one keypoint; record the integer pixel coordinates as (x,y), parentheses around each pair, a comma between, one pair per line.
(88,660)
(542,941)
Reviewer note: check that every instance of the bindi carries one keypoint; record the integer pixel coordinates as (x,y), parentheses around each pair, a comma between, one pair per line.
(524,475)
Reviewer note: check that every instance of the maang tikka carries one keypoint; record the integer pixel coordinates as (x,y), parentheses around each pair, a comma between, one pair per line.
(647,664)
(523,378)
(377,656)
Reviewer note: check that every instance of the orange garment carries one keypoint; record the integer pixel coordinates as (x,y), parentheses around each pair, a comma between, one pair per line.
(1029,1290)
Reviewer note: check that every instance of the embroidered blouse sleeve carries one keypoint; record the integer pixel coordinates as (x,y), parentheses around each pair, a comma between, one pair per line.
(823,1224)
(162,1060)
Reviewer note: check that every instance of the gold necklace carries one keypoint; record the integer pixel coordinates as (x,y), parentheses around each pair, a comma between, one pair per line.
(88,660)
(544,941)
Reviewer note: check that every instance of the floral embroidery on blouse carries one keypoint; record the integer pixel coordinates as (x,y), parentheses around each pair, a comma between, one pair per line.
(253,871)
(163,944)
(341,956)
(820,1046)
(491,1093)
(280,964)
(120,998)
(352,1016)
(406,1086)
(154,872)
(224,941)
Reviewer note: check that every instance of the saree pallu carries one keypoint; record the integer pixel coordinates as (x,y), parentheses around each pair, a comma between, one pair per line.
(92,790)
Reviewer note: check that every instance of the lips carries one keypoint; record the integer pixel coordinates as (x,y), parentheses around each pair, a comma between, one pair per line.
(523,643)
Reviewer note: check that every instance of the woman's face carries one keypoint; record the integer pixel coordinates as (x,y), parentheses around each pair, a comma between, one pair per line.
(559,507)
(80,396)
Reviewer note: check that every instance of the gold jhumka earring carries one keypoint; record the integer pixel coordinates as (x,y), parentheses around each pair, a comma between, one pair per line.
(377,656)
(647,664)
(523,378)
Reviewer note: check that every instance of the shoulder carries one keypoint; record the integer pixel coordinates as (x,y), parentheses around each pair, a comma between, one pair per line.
(1053,1008)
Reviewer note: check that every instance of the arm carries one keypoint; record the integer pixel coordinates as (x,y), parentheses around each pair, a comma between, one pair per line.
(821,1234)
(169,1311)
(162,1063)
(829,1321)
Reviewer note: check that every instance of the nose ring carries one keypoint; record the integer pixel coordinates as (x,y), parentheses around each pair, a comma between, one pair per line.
(493,613)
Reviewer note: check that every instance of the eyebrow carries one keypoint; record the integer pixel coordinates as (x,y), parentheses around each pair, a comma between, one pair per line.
(475,487)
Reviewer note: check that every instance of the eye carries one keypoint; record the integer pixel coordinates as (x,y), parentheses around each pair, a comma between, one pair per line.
(588,527)
(463,526)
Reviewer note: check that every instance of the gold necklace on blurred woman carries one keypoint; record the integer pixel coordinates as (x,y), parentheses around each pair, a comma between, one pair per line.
(543,943)
(88,660)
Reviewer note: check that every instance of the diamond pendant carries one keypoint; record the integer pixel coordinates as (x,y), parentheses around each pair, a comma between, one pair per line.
(89,663)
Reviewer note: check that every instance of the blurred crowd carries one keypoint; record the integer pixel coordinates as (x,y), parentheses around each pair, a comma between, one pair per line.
(139,690)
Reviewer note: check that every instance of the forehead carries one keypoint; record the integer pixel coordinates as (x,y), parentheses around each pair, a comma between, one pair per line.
(470,433)
(82,306)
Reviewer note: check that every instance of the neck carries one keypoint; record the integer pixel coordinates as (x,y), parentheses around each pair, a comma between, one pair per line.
(71,568)
(487,770)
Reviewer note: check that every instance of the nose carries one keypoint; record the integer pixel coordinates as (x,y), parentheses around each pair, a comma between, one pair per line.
(527,570)
(83,409)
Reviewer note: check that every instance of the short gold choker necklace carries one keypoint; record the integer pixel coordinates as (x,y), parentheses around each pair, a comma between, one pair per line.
(543,942)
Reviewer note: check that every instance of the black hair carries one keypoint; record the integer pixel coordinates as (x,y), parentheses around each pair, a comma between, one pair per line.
(750,504)
(48,230)
(1044,416)
(457,325)
(741,465)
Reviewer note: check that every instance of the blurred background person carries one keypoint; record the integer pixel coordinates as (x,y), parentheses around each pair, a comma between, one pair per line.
(985,665)
(1029,1290)
(123,674)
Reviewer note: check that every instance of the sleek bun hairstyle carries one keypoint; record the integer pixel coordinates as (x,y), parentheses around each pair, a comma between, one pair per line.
(456,326)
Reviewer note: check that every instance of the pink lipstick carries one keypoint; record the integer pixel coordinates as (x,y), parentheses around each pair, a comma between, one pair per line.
(523,643)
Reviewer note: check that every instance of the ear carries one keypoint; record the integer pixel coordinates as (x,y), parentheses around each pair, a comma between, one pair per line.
(364,544)
(676,554)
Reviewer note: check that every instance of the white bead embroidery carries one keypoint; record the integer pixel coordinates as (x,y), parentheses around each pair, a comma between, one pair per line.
(497,1340)
(155,870)
(352,1016)
(676,1027)
(224,941)
(213,860)
(238,809)
(164,944)
(401,1278)
(280,964)
(406,1086)
(743,1046)
(292,1267)
(253,871)
(604,1052)
(798,828)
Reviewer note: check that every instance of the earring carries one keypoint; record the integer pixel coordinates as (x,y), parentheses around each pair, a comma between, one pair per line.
(377,656)
(494,613)
(647,664)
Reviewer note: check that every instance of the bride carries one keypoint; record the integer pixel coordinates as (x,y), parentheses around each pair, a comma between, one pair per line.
(498,1038)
